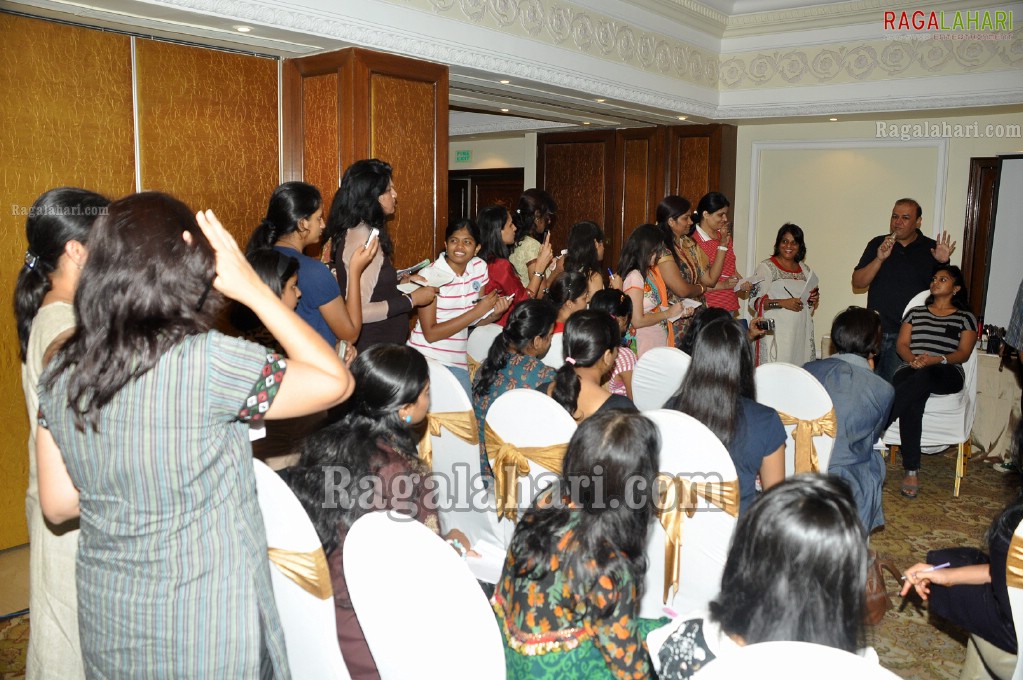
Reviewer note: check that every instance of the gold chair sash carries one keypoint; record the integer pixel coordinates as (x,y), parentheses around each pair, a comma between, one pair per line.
(307,569)
(1014,563)
(462,424)
(806,430)
(472,366)
(678,501)
(510,462)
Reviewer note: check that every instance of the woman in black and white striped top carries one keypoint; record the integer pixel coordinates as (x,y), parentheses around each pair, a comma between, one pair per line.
(934,342)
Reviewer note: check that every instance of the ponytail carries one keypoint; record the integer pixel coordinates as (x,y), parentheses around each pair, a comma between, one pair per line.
(566,388)
(588,335)
(265,236)
(290,203)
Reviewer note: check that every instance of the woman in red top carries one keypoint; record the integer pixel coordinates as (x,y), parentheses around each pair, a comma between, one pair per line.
(713,234)
(497,234)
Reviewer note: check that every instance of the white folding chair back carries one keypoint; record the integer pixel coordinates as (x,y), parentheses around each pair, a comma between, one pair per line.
(790,389)
(800,661)
(528,418)
(480,340)
(465,503)
(1015,589)
(555,357)
(948,418)
(689,449)
(657,376)
(420,608)
(310,630)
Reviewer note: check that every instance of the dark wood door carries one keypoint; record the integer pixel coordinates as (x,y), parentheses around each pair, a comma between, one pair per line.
(471,190)
(981,203)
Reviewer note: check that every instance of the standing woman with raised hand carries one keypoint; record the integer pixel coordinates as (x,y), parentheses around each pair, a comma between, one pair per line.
(143,432)
(294,221)
(713,234)
(362,204)
(533,217)
(57,231)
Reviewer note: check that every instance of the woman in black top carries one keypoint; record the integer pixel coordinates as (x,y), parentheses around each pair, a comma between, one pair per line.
(934,341)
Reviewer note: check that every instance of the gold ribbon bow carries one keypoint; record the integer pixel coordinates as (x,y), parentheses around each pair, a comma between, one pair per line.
(462,424)
(511,462)
(806,430)
(307,569)
(1014,563)
(678,501)
(472,366)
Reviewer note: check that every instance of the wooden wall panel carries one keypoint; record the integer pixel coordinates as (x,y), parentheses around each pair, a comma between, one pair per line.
(692,180)
(577,170)
(65,120)
(320,157)
(208,129)
(701,158)
(639,183)
(402,110)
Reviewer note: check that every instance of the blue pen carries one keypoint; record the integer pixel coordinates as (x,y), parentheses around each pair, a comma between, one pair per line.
(610,273)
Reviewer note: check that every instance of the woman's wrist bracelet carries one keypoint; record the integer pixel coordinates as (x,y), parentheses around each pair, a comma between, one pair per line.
(723,249)
(457,545)
(771,304)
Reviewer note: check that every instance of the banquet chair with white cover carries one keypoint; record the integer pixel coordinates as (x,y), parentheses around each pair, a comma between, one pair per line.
(689,449)
(794,661)
(465,503)
(794,392)
(948,418)
(306,611)
(480,340)
(526,418)
(657,376)
(555,357)
(422,612)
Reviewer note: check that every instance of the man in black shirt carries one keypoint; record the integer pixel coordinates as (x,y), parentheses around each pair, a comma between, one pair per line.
(895,267)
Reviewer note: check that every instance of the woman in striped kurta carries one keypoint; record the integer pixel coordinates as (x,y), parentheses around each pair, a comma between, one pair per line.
(150,446)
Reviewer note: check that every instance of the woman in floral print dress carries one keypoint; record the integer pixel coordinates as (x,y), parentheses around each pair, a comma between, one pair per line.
(568,600)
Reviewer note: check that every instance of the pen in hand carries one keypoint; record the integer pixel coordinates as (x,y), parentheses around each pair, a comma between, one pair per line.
(934,568)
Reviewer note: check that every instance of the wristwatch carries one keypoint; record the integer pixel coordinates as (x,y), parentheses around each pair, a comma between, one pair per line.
(944,359)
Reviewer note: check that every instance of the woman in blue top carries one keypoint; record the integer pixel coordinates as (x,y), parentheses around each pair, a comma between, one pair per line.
(719,391)
(294,221)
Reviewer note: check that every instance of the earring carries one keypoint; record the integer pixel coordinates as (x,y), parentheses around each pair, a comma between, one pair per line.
(408,420)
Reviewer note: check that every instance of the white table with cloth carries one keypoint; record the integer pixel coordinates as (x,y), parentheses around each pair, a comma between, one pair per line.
(998,406)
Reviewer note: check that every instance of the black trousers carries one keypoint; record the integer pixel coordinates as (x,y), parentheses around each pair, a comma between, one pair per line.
(912,389)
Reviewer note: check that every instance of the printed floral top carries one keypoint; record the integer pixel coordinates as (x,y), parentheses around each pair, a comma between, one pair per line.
(554,613)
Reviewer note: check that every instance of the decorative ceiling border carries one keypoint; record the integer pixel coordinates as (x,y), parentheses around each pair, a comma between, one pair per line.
(512,125)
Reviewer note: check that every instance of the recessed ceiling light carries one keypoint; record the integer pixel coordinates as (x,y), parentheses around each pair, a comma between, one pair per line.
(504,110)
(243,29)
(586,122)
(832,119)
(682,117)
(600,101)
(504,82)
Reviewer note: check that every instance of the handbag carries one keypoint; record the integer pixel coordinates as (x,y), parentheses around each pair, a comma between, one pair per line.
(878,599)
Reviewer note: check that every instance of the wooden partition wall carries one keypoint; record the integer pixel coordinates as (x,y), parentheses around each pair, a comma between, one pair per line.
(617,177)
(352,104)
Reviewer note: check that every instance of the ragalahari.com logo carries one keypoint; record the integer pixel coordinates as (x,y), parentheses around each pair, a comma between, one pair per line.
(971,20)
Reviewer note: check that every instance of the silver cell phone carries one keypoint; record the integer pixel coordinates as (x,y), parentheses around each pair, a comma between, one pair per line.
(372,235)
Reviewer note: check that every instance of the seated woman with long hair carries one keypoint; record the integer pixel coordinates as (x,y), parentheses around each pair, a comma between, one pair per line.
(718,390)
(796,571)
(497,234)
(514,361)
(591,345)
(652,313)
(934,342)
(375,444)
(568,598)
(618,306)
(143,432)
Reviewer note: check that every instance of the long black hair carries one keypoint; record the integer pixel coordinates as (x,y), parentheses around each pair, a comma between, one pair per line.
(670,208)
(797,567)
(529,320)
(617,452)
(357,200)
(960,299)
(491,221)
(640,246)
(582,249)
(588,335)
(275,269)
(143,290)
(290,203)
(721,373)
(57,217)
(346,453)
(531,202)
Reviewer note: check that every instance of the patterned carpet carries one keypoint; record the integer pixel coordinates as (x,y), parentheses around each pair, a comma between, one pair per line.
(908,643)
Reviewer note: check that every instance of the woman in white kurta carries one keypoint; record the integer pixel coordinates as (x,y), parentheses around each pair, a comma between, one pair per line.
(782,279)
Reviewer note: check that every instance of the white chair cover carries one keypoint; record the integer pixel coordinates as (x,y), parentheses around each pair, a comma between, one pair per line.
(688,448)
(528,418)
(555,357)
(657,376)
(310,630)
(794,661)
(948,418)
(790,389)
(1014,581)
(464,501)
(423,614)
(480,340)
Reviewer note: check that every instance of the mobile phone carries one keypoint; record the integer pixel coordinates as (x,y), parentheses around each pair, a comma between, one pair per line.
(342,349)
(372,235)
(413,269)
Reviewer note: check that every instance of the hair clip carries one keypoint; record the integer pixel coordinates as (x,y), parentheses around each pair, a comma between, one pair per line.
(31,259)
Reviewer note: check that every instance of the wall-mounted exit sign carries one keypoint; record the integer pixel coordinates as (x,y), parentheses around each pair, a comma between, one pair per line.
(463,156)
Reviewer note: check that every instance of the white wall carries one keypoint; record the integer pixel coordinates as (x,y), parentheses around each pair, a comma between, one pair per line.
(490,153)
(1007,251)
(839,181)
